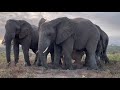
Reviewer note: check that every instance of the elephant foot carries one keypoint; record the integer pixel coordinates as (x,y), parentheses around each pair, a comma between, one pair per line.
(38,64)
(55,67)
(92,68)
(27,64)
(105,59)
(85,65)
(70,68)
(45,66)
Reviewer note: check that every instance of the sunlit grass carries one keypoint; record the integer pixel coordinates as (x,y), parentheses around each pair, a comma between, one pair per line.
(114,57)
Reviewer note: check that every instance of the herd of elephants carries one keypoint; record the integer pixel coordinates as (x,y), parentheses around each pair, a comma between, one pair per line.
(64,38)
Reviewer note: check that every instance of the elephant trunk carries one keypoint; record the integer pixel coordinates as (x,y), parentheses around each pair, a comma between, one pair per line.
(43,45)
(8,48)
(42,50)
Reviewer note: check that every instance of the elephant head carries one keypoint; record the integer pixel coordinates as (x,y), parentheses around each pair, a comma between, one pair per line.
(54,31)
(15,29)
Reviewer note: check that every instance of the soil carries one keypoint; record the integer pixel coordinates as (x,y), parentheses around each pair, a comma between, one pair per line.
(111,70)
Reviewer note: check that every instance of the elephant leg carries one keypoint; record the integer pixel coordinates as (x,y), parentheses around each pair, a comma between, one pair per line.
(57,56)
(52,59)
(105,58)
(91,54)
(92,61)
(8,51)
(98,61)
(67,59)
(26,55)
(67,48)
(16,51)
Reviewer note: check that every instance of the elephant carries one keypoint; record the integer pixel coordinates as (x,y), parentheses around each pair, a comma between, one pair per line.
(104,40)
(101,48)
(24,34)
(68,35)
(49,50)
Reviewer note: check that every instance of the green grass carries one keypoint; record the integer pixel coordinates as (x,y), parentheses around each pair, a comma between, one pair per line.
(114,57)
(113,53)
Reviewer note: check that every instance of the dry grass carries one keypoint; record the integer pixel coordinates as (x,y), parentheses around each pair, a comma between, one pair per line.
(112,70)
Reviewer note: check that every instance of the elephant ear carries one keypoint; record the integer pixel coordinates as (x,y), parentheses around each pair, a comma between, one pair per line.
(64,31)
(24,30)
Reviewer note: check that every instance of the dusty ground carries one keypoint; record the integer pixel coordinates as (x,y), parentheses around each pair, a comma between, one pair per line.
(112,70)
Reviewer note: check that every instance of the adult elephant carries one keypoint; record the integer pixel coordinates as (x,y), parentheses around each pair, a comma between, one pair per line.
(50,48)
(100,51)
(102,47)
(68,35)
(22,33)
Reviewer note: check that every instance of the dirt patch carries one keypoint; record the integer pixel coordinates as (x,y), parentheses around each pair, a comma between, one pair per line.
(111,70)
(20,71)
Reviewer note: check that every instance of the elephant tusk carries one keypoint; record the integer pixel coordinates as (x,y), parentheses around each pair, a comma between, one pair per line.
(37,52)
(45,50)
